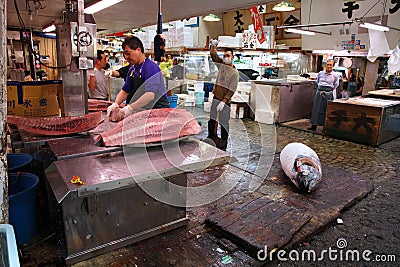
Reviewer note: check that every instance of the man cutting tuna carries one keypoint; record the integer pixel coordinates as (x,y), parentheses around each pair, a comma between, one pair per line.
(144,87)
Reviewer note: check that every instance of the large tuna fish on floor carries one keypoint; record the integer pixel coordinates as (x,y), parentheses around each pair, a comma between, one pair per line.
(151,126)
(301,164)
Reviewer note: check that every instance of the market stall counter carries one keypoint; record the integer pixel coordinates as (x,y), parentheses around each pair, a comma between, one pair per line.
(385,93)
(369,121)
(281,100)
(126,196)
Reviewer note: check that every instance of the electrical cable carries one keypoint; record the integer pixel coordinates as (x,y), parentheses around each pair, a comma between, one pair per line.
(30,48)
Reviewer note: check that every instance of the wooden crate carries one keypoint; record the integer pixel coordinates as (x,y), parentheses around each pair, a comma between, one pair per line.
(367,121)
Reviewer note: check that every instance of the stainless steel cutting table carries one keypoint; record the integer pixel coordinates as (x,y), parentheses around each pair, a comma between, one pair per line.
(79,146)
(126,196)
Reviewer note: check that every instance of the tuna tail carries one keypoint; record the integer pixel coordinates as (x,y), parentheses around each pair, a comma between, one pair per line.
(308,171)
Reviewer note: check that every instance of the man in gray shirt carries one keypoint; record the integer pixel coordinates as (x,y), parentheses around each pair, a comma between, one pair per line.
(327,81)
(97,80)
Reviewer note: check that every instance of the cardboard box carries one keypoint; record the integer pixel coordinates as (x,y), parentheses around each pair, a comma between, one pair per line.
(33,99)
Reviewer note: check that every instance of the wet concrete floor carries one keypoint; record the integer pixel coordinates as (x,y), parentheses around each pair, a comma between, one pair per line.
(372,223)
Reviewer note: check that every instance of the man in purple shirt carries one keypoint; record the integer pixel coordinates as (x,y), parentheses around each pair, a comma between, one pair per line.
(327,81)
(144,87)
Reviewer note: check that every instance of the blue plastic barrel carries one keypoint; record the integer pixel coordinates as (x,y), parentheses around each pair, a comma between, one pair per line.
(19,162)
(23,205)
(173,101)
(41,160)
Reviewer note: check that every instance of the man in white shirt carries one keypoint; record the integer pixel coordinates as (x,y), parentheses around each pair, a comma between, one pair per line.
(97,80)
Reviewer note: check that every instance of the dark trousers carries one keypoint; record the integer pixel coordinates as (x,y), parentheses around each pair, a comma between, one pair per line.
(223,120)
(321,98)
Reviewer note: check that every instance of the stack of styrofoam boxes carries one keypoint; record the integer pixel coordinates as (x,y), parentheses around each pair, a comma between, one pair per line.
(242,93)
(147,38)
(234,114)
(229,41)
(179,35)
(190,98)
(233,111)
(207,104)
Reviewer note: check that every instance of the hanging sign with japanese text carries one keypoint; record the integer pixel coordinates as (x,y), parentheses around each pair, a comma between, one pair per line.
(258,27)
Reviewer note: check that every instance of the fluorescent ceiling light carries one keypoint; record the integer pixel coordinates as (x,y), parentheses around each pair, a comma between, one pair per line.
(283,6)
(373,26)
(300,31)
(50,28)
(211,17)
(100,6)
(128,33)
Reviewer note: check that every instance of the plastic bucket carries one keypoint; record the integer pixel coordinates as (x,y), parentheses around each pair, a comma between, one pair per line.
(173,101)
(23,205)
(41,160)
(199,98)
(19,162)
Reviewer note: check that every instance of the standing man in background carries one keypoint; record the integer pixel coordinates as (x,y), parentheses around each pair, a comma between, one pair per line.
(97,80)
(224,88)
(327,81)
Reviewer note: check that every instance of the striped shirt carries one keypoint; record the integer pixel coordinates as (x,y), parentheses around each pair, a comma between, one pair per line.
(328,79)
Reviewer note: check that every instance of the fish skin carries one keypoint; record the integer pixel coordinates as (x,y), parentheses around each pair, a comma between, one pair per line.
(302,165)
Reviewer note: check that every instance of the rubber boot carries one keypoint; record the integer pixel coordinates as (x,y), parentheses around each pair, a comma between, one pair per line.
(211,129)
(224,139)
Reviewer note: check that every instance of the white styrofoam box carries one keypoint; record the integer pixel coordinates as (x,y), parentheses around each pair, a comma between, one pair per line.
(244,87)
(242,93)
(241,112)
(190,98)
(240,98)
(183,30)
(189,104)
(184,39)
(178,24)
(148,45)
(233,107)
(229,41)
(233,114)
(151,34)
(199,86)
(264,116)
(210,97)
(207,106)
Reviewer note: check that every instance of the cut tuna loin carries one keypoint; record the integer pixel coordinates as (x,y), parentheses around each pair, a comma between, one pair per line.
(98,105)
(56,125)
(151,126)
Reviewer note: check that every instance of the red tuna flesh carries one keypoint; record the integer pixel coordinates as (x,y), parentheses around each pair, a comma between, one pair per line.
(151,126)
(98,105)
(56,125)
